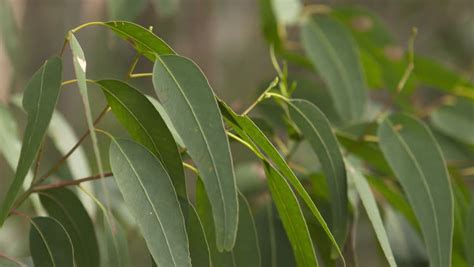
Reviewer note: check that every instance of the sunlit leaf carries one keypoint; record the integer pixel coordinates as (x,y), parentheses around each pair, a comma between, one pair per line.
(334,54)
(416,159)
(145,125)
(292,218)
(316,129)
(370,205)
(64,206)
(143,40)
(50,244)
(149,195)
(456,119)
(190,103)
(247,130)
(40,97)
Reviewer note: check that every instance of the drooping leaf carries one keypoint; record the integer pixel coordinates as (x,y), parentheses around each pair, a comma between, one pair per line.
(456,119)
(80,66)
(416,159)
(292,218)
(167,120)
(204,210)
(247,130)
(316,129)
(190,103)
(370,205)
(150,196)
(50,244)
(125,9)
(145,125)
(335,56)
(198,244)
(40,97)
(143,40)
(64,206)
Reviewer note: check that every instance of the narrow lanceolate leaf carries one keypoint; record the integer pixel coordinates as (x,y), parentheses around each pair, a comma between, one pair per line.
(456,119)
(145,125)
(142,39)
(316,129)
(334,54)
(167,120)
(250,132)
(80,66)
(190,103)
(50,244)
(40,97)
(64,206)
(150,197)
(416,160)
(292,218)
(198,244)
(370,205)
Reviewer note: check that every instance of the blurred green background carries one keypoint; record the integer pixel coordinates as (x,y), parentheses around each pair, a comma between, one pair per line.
(223,37)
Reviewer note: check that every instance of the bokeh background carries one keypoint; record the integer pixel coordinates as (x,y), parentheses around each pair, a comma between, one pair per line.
(222,36)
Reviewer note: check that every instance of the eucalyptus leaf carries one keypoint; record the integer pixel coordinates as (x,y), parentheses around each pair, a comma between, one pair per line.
(292,218)
(370,205)
(167,120)
(190,103)
(335,55)
(247,130)
(456,119)
(143,40)
(416,160)
(116,243)
(198,244)
(150,196)
(40,97)
(50,244)
(316,129)
(64,206)
(145,125)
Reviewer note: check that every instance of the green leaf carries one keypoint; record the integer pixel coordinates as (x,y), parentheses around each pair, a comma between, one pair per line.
(370,205)
(198,244)
(150,196)
(80,66)
(416,159)
(125,9)
(316,129)
(469,233)
(145,125)
(190,103)
(246,251)
(247,130)
(456,119)
(292,218)
(64,206)
(167,120)
(116,243)
(50,244)
(40,97)
(335,56)
(269,23)
(143,40)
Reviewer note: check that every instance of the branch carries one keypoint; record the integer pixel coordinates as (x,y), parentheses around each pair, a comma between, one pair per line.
(69,182)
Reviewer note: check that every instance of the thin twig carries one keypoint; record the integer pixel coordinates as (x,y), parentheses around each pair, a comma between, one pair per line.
(262,96)
(69,182)
(66,156)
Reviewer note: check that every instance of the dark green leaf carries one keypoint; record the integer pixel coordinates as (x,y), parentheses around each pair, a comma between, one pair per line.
(269,23)
(247,130)
(416,159)
(145,125)
(370,205)
(143,40)
(64,206)
(335,56)
(456,119)
(198,244)
(292,218)
(149,195)
(50,244)
(316,129)
(190,103)
(40,97)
